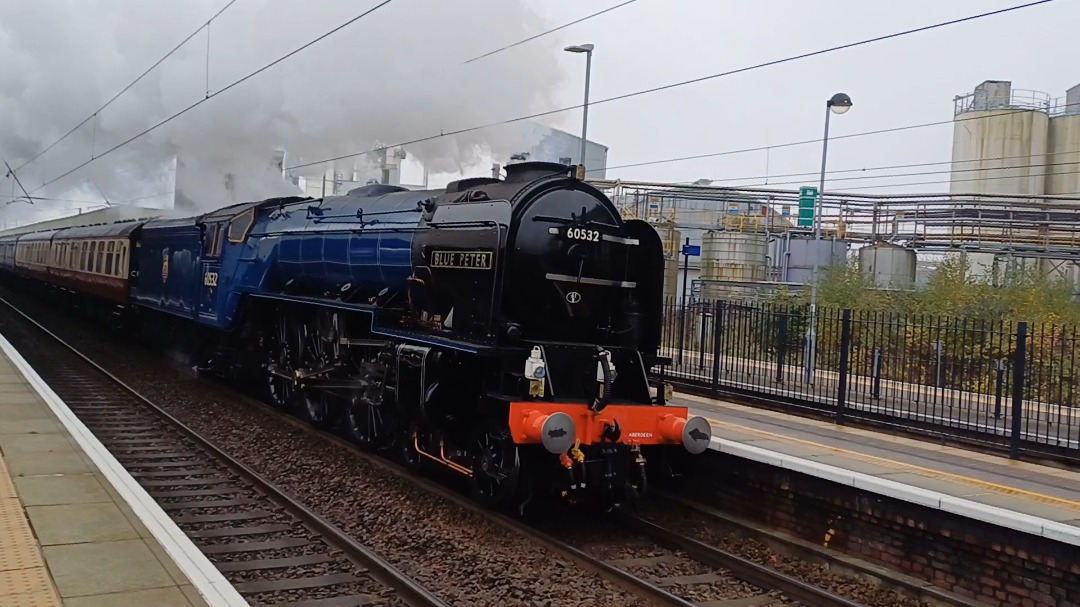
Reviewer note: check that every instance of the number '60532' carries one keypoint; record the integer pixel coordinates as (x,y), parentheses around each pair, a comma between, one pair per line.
(583,234)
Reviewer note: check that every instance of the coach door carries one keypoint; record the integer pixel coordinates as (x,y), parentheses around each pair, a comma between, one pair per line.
(211,266)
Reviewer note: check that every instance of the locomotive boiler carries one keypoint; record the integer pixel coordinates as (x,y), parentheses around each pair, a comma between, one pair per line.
(501,329)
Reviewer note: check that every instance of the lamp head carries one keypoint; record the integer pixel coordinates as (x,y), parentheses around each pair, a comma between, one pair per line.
(580,48)
(839,103)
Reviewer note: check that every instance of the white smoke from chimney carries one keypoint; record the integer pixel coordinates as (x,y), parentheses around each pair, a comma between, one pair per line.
(393,76)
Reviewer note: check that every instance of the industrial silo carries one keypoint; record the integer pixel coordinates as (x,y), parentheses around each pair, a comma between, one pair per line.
(888,266)
(1063,146)
(792,256)
(671,237)
(1000,141)
(730,260)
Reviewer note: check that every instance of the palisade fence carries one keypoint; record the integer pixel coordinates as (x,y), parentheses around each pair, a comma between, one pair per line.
(1008,384)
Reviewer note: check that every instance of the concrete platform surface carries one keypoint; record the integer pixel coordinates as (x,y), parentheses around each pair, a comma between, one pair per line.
(74,529)
(1018,495)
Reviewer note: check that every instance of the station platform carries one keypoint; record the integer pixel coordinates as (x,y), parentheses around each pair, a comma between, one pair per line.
(1030,498)
(75,529)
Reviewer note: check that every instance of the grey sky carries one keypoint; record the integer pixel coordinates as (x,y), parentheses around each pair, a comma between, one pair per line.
(898,82)
(397,76)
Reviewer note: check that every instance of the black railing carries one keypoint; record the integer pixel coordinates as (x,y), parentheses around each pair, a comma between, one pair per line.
(1008,384)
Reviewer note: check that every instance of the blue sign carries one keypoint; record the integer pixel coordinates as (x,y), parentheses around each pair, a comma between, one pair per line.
(691,250)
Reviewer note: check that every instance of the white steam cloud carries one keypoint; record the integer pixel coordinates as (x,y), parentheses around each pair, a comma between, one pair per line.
(393,76)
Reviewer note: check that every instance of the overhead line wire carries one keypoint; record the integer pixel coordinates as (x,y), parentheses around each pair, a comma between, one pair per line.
(789,144)
(554,29)
(128,87)
(218,92)
(681,83)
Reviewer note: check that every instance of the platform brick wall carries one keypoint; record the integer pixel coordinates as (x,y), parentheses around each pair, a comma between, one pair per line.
(988,564)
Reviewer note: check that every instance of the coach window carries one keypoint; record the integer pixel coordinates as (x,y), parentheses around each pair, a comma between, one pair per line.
(92,265)
(109,257)
(122,270)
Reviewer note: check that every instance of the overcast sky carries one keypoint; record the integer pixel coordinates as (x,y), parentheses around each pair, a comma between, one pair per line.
(909,80)
(404,61)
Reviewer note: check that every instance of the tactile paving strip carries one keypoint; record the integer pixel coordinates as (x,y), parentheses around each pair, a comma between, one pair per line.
(27,587)
(24,581)
(20,550)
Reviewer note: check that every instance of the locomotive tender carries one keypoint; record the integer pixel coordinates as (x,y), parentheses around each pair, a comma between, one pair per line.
(501,329)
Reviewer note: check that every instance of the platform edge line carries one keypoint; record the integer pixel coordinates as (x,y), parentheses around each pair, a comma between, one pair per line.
(210,583)
(994,515)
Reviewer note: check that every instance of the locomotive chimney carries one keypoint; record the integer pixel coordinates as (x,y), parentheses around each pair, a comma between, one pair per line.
(528,171)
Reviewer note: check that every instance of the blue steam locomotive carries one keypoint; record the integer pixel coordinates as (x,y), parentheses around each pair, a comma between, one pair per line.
(501,329)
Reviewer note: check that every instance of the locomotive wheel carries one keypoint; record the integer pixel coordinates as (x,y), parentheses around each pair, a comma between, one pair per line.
(315,408)
(284,346)
(368,425)
(496,466)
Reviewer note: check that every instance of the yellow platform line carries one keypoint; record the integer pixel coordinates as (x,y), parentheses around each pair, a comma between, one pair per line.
(24,578)
(920,470)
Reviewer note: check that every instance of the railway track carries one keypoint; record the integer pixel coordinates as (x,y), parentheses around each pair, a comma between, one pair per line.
(673,569)
(271,547)
(659,566)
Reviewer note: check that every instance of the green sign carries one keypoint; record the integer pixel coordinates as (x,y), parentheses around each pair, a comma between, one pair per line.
(807,201)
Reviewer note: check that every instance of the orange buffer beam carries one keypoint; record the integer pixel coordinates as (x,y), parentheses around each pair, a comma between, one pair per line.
(557,425)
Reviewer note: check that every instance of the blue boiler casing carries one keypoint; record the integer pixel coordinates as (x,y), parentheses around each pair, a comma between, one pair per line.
(361,241)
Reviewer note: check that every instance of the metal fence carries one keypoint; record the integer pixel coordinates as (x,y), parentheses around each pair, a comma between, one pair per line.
(1010,385)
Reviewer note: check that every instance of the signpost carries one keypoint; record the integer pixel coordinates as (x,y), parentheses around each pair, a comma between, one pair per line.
(688,251)
(807,202)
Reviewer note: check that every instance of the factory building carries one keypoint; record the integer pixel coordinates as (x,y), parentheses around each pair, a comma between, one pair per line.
(554,145)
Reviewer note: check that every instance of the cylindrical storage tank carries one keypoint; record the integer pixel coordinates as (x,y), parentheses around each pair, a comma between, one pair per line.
(888,266)
(980,266)
(999,152)
(671,281)
(1063,157)
(796,257)
(999,141)
(733,256)
(671,238)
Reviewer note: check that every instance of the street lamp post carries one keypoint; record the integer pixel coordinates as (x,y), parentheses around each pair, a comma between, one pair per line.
(837,104)
(587,49)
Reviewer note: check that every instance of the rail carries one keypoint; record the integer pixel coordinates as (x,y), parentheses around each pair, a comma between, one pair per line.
(74,374)
(744,569)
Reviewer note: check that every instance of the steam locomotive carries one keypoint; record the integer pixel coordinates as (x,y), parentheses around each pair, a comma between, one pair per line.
(501,329)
